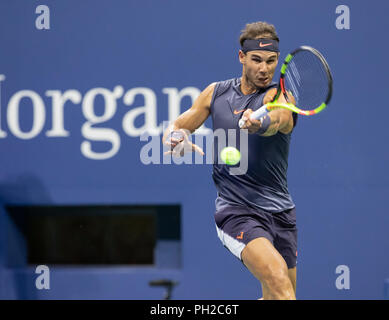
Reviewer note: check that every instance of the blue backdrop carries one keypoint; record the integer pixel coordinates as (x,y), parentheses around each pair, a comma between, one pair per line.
(67,139)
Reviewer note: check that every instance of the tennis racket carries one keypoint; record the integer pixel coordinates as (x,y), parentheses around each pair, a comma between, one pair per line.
(306,76)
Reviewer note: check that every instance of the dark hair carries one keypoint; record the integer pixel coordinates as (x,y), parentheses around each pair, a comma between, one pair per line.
(257,30)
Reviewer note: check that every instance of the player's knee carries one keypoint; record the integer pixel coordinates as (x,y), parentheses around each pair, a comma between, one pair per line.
(279,284)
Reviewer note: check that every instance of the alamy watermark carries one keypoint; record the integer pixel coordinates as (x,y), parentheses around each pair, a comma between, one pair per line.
(342,21)
(343,280)
(42,22)
(43,280)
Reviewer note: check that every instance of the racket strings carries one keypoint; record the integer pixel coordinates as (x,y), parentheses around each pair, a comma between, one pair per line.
(307,80)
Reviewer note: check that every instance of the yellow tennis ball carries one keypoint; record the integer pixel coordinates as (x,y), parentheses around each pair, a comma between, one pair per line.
(230,156)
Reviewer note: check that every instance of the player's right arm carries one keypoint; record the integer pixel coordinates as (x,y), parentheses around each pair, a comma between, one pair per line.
(190,120)
(281,120)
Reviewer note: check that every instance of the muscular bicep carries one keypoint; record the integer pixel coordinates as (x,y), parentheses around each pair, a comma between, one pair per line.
(194,117)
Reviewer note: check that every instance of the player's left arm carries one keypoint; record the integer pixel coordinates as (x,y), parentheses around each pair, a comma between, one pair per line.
(281,120)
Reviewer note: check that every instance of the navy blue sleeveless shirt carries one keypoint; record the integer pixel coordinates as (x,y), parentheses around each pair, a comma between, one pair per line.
(264,185)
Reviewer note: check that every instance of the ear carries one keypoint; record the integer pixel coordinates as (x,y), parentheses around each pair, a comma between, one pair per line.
(242,57)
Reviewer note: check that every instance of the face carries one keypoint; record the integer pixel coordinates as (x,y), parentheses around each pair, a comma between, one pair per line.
(259,67)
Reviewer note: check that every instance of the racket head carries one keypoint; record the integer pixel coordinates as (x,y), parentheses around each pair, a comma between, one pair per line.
(306,76)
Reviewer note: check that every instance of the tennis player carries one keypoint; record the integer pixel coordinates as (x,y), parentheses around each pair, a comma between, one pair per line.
(255,214)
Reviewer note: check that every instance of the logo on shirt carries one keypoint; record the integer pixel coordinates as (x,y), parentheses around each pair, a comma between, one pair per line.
(238,111)
(240,236)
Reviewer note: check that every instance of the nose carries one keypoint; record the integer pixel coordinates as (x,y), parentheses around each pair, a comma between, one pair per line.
(263,67)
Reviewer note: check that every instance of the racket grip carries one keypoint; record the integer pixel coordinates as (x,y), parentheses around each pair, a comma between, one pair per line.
(257,114)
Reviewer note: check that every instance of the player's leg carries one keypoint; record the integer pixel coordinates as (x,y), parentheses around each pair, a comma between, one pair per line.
(292,273)
(239,229)
(285,241)
(292,276)
(265,292)
(268,266)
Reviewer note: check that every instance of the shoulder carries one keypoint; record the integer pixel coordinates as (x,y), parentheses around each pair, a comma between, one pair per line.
(222,87)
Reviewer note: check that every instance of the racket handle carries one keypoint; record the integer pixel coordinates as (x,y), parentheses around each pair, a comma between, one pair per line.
(257,114)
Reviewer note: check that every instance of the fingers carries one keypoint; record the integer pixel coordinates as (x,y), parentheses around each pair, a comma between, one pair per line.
(173,142)
(246,115)
(179,144)
(251,124)
(185,134)
(173,153)
(197,149)
(246,118)
(183,147)
(177,151)
(178,134)
(175,137)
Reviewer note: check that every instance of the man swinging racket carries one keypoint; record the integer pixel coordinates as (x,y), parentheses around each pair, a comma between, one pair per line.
(255,215)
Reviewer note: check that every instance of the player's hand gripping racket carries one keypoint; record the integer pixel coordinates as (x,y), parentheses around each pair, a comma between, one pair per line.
(306,76)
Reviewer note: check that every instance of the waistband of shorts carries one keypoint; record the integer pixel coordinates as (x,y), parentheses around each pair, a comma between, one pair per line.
(236,207)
